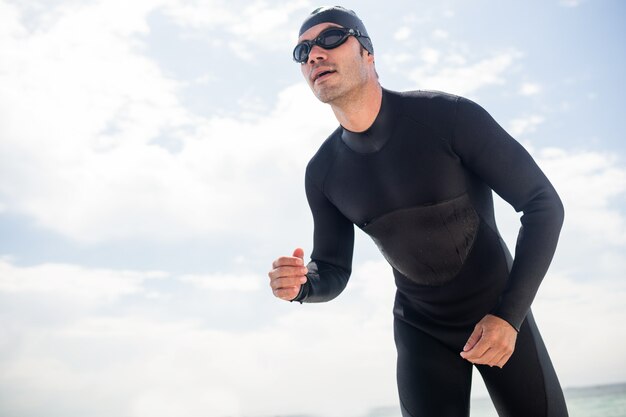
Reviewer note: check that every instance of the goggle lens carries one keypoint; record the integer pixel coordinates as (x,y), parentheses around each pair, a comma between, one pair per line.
(328,39)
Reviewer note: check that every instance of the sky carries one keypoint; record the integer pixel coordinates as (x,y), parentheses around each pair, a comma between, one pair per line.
(152,158)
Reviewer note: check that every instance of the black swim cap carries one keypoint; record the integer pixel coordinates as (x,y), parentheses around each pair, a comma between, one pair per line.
(342,17)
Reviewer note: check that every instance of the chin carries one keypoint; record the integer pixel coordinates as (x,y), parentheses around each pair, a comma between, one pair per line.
(326,95)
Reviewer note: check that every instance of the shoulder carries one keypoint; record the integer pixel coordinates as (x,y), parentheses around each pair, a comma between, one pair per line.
(435,109)
(425,100)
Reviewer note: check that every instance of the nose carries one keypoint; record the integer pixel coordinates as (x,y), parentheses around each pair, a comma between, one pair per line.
(317,53)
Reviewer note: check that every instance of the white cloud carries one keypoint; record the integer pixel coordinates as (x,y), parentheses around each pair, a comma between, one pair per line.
(142,365)
(580,320)
(430,56)
(138,365)
(589,183)
(402,33)
(257,26)
(394,62)
(200,13)
(9,24)
(223,282)
(521,126)
(464,78)
(71,282)
(530,89)
(440,34)
(79,119)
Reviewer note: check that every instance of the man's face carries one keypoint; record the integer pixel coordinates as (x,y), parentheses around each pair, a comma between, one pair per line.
(334,73)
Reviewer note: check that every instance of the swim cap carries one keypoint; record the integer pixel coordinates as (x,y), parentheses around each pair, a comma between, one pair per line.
(342,17)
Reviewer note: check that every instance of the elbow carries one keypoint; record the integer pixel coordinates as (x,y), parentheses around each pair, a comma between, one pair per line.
(545,210)
(558,211)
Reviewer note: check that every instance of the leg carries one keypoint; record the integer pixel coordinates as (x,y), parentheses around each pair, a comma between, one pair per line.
(527,385)
(433,380)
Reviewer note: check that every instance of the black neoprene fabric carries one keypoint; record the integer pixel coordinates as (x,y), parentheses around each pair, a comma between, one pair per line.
(419,181)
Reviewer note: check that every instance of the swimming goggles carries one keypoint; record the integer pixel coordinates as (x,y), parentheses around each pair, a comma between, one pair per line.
(328,39)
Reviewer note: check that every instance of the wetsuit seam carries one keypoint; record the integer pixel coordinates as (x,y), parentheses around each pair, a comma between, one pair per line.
(374,219)
(387,97)
(331,165)
(329,168)
(365,154)
(448,141)
(427,126)
(455,118)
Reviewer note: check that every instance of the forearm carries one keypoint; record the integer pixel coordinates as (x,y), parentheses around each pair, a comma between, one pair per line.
(534,251)
(325,281)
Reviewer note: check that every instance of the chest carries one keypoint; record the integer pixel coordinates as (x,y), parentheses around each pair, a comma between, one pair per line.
(416,167)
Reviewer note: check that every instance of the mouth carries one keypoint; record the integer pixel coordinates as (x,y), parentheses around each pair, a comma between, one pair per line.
(322,75)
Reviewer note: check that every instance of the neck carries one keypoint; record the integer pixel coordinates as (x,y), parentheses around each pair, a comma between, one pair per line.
(358,111)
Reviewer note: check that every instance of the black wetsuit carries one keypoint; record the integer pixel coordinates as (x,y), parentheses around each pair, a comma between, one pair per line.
(419,181)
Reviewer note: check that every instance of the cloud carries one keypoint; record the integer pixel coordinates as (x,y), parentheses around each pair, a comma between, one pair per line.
(144,364)
(253,26)
(133,362)
(98,146)
(430,56)
(402,33)
(530,89)
(580,320)
(519,127)
(590,183)
(460,78)
(81,154)
(74,108)
(72,282)
(223,282)
(440,34)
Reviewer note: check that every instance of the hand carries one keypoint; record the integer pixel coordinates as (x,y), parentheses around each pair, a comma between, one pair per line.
(288,275)
(491,343)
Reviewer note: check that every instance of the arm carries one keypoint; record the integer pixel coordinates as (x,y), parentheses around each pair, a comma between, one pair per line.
(504,165)
(333,243)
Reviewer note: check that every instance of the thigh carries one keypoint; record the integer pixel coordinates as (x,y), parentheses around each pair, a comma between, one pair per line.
(433,380)
(527,385)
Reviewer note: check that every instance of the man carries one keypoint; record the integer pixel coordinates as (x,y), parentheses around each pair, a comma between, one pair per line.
(416,171)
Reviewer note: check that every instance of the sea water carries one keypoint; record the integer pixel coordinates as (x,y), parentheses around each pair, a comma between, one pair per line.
(600,401)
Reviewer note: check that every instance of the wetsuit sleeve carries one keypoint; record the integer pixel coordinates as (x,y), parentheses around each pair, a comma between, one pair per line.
(333,244)
(503,164)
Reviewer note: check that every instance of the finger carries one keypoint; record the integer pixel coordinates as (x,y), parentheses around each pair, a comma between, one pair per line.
(287,271)
(287,293)
(473,339)
(287,261)
(490,357)
(299,253)
(287,282)
(475,346)
(477,351)
(503,360)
